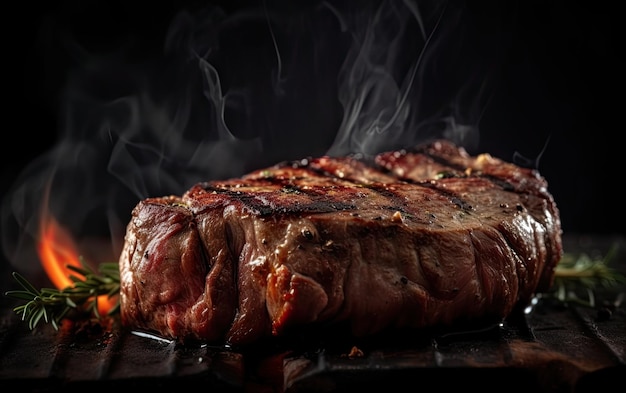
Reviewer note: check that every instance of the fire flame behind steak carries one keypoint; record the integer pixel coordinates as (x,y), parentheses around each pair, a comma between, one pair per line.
(421,238)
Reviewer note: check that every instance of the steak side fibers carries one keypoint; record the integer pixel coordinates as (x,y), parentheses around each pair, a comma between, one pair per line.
(417,238)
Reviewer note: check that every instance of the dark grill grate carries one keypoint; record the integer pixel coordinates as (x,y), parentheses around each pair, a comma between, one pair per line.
(552,349)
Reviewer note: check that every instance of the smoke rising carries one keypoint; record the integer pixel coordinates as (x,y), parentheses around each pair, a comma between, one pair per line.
(235,91)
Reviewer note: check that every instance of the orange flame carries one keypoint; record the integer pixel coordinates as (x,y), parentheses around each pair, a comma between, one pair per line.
(57,250)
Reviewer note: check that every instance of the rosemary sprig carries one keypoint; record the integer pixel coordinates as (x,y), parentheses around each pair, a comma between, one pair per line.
(53,305)
(578,276)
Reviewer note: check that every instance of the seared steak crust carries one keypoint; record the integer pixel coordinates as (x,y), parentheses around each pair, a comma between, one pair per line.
(417,238)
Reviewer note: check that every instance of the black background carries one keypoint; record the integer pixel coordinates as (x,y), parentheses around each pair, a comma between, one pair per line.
(561,81)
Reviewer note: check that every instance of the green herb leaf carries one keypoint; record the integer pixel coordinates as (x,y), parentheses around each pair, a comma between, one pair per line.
(578,277)
(53,305)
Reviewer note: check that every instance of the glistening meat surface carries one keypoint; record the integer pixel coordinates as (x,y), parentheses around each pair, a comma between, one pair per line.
(417,238)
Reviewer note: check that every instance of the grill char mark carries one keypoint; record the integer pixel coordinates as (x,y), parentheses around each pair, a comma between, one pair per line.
(308,186)
(376,175)
(384,189)
(450,168)
(263,198)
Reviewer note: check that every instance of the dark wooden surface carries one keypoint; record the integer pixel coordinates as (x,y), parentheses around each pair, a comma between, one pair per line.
(555,347)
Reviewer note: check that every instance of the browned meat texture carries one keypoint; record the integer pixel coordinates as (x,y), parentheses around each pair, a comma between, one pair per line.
(420,238)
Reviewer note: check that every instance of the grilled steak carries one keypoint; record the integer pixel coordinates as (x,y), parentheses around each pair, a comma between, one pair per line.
(417,238)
